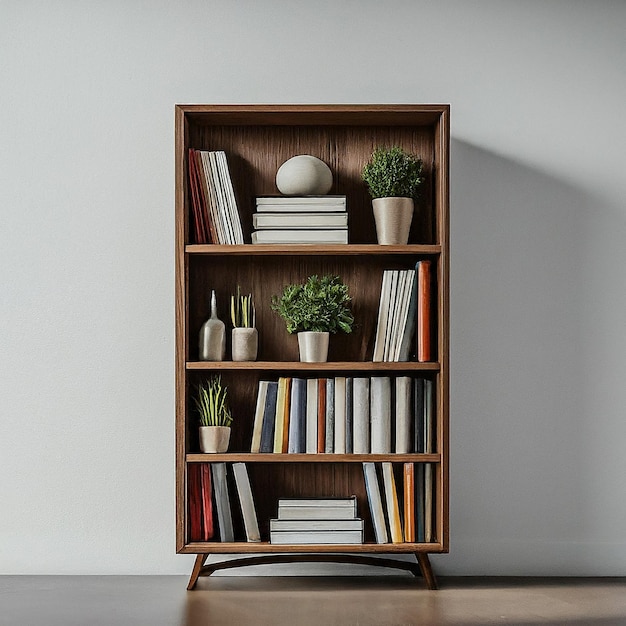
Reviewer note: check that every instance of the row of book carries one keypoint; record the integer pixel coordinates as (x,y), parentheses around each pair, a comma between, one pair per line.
(401,511)
(405,518)
(210,508)
(345,415)
(317,521)
(215,213)
(300,219)
(404,310)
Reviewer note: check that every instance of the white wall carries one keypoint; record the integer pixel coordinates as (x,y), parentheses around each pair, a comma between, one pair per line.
(87,91)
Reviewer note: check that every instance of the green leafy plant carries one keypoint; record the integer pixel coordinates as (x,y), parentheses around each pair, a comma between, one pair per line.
(212,404)
(321,305)
(392,172)
(242,311)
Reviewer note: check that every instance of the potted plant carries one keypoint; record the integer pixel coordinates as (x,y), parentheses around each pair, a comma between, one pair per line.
(314,310)
(393,177)
(245,338)
(215,417)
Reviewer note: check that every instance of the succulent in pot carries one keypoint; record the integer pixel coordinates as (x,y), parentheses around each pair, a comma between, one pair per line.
(215,415)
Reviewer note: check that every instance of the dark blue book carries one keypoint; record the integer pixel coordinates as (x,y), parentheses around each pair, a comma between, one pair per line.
(297,416)
(269,418)
(418,396)
(419,502)
(349,416)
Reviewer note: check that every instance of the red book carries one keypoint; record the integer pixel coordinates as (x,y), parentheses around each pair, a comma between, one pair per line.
(424,290)
(195,502)
(321,415)
(207,503)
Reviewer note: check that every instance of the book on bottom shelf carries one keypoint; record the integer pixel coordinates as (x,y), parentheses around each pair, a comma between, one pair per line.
(317,508)
(317,537)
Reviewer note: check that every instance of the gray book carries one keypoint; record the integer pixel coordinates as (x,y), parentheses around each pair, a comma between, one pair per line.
(317,508)
(329,446)
(403,414)
(361,415)
(349,415)
(246,501)
(222,502)
(375,502)
(297,416)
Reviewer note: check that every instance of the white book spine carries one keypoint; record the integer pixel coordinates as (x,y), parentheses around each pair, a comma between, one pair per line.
(361,415)
(403,414)
(375,502)
(380,414)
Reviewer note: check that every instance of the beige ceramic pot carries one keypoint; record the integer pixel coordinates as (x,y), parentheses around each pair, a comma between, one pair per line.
(214,439)
(393,218)
(245,344)
(313,346)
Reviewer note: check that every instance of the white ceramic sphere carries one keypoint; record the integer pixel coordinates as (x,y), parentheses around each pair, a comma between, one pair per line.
(304,175)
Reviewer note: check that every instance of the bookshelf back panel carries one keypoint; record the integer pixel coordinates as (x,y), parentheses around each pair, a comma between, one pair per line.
(267,276)
(256,152)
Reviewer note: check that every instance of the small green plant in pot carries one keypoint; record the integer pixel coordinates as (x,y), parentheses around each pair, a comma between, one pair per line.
(393,178)
(215,416)
(314,310)
(245,338)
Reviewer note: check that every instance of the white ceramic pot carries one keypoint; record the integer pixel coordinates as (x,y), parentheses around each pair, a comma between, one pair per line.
(393,218)
(313,346)
(214,438)
(245,344)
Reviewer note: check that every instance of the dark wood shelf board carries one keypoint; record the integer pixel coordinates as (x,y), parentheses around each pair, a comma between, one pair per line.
(313,249)
(249,457)
(333,366)
(210,547)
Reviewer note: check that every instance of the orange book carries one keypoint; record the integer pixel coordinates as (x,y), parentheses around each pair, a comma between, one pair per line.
(321,415)
(409,503)
(424,287)
(207,503)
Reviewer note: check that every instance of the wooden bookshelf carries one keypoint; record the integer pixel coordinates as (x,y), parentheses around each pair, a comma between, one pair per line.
(257,140)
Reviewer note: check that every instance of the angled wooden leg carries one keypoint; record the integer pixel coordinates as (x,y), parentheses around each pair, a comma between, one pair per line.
(427,571)
(197,568)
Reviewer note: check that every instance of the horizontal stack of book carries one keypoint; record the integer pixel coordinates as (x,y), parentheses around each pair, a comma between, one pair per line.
(405,302)
(403,513)
(317,521)
(300,219)
(345,415)
(215,214)
(211,513)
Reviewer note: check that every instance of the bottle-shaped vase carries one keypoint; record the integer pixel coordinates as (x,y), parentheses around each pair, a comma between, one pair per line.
(213,336)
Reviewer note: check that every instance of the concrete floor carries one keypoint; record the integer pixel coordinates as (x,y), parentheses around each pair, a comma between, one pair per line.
(362,601)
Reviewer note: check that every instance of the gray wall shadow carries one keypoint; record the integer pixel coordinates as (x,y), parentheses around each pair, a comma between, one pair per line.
(517,383)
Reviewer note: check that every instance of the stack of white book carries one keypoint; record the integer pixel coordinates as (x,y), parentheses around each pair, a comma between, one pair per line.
(300,219)
(316,521)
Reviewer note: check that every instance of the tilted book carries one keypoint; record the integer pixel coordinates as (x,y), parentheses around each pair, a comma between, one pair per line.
(375,502)
(258,416)
(391,501)
(246,501)
(222,502)
(269,418)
